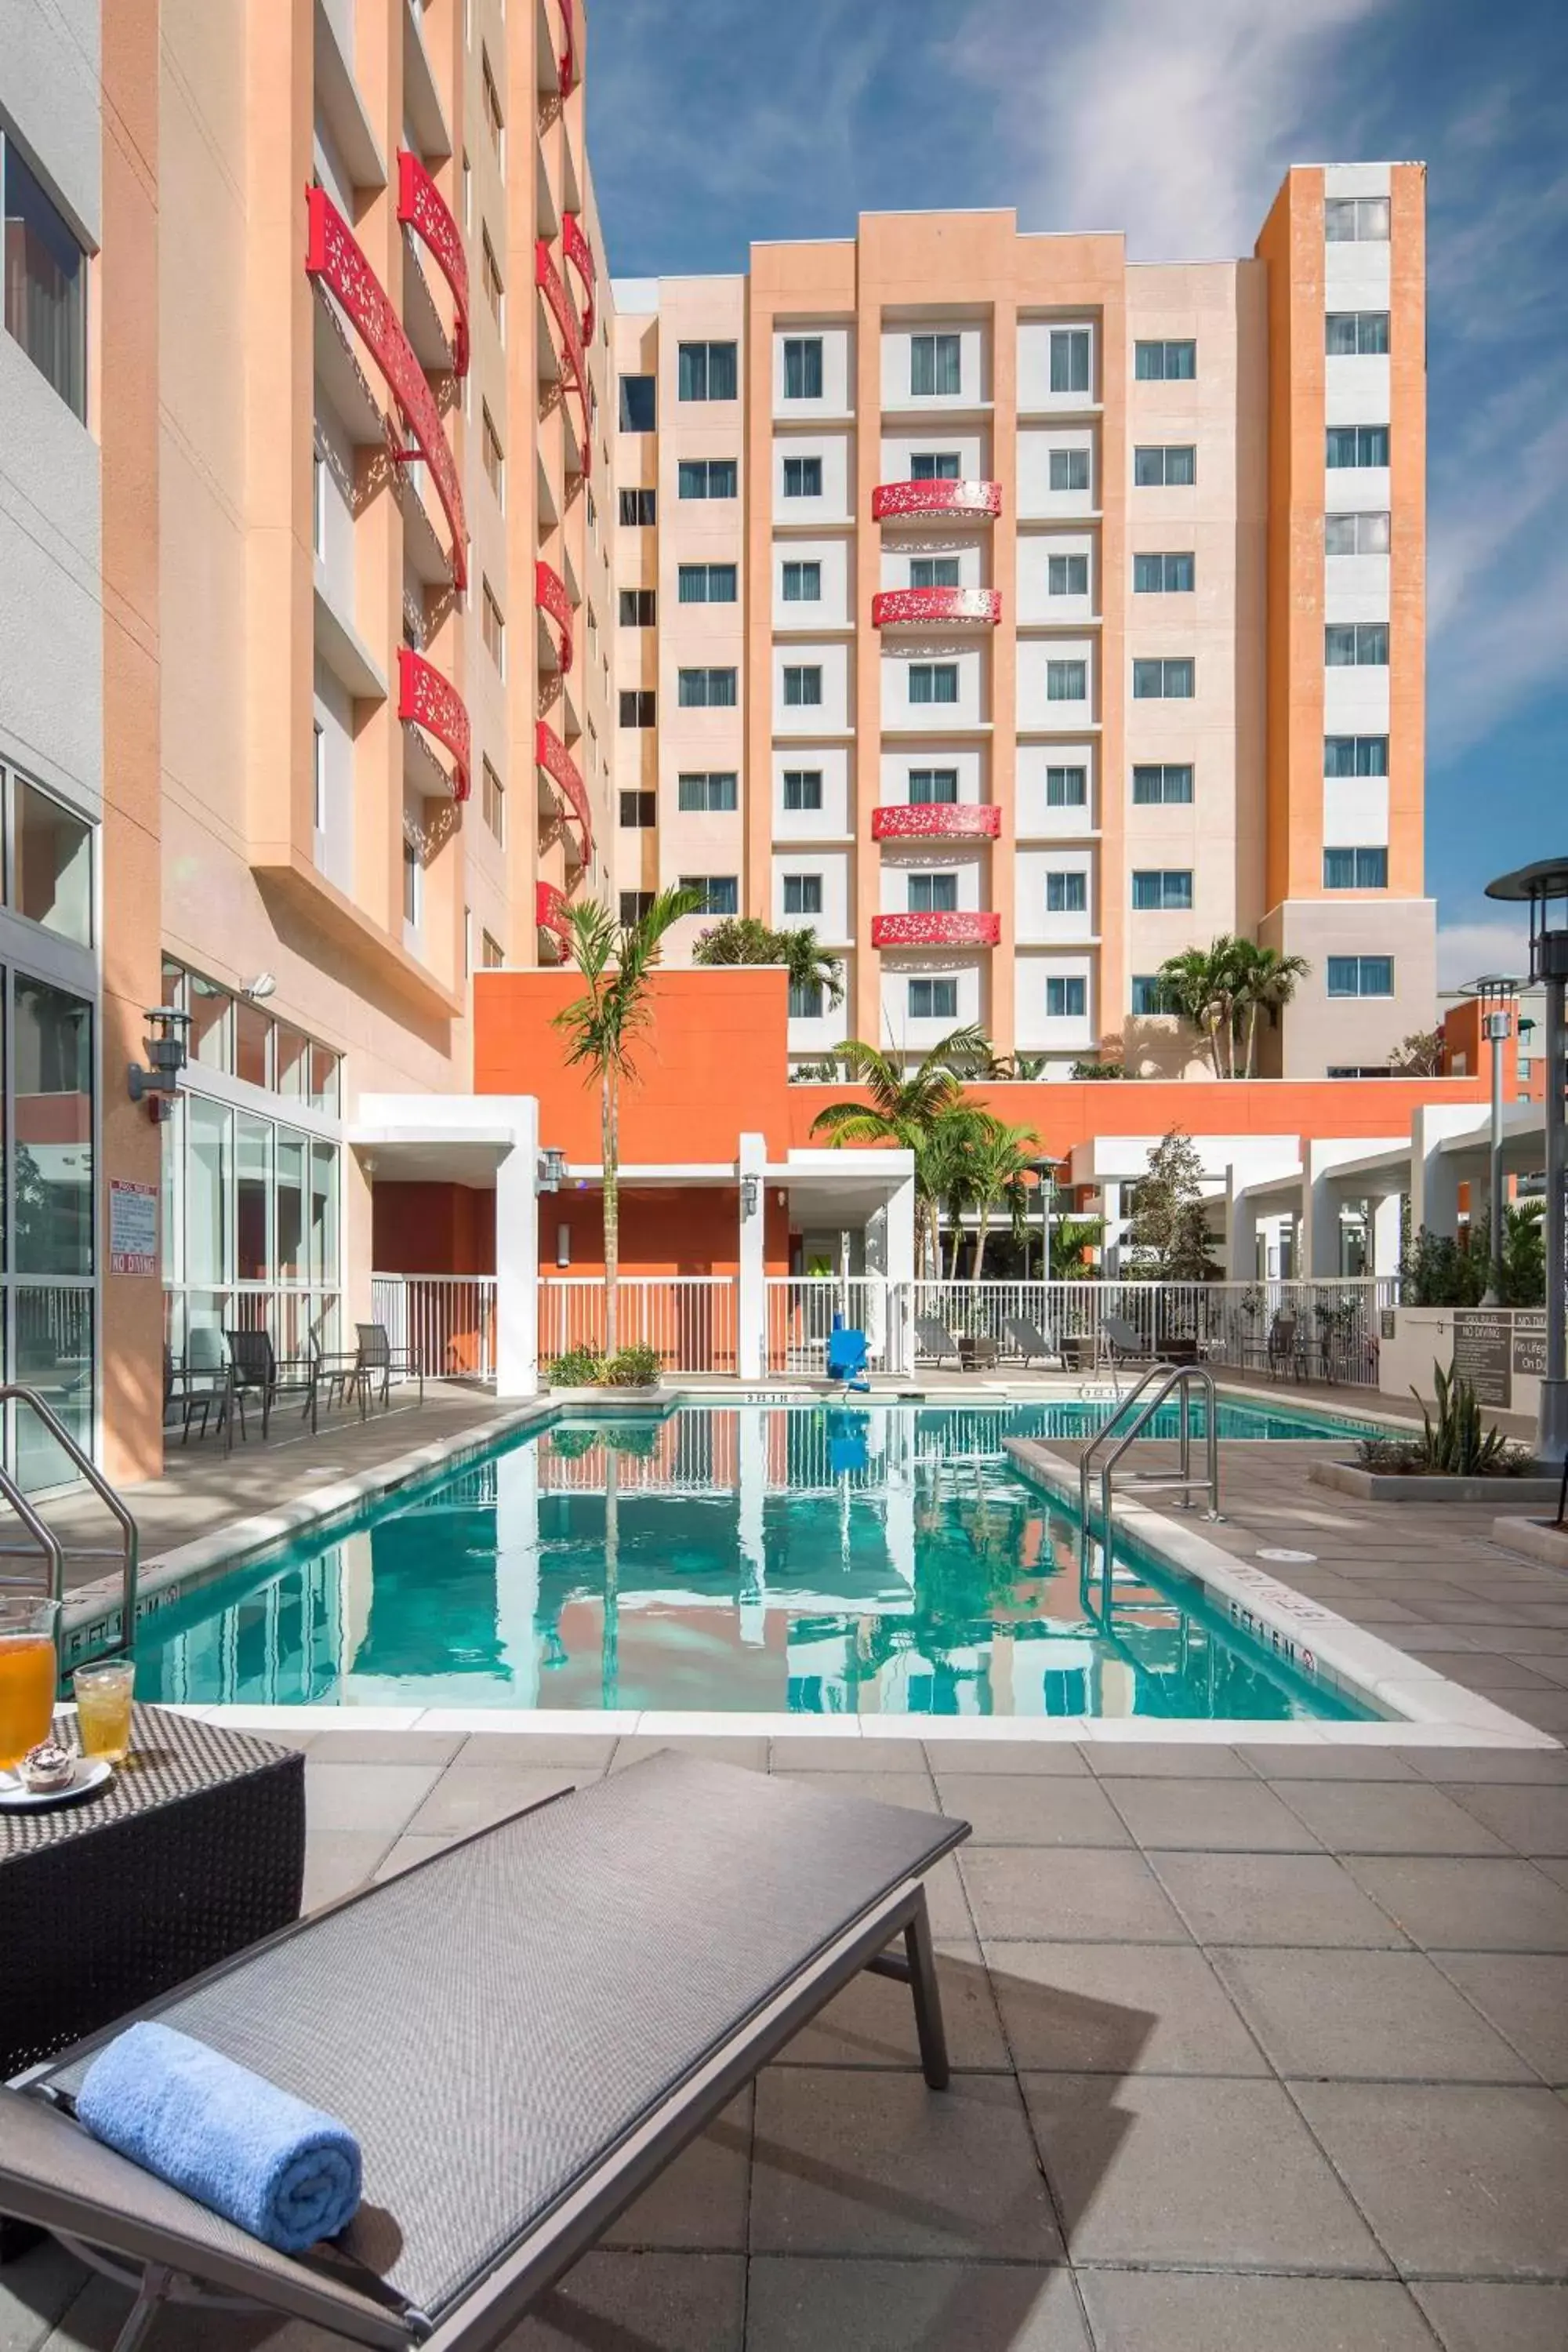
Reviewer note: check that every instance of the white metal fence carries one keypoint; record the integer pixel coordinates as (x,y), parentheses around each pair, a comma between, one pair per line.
(804,1310)
(689,1320)
(450,1319)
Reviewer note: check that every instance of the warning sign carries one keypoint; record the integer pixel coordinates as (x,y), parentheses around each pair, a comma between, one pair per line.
(132,1228)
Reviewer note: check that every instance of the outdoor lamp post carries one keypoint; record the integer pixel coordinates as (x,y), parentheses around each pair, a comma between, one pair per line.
(1498,994)
(1544,888)
(1045,1178)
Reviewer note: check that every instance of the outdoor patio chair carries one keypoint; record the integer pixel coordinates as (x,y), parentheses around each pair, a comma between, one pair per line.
(1125,1344)
(521,2032)
(204,1383)
(935,1339)
(378,1360)
(1028,1339)
(258,1369)
(1285,1351)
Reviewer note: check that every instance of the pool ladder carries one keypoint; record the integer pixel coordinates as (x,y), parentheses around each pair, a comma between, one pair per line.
(127,1551)
(1159,1382)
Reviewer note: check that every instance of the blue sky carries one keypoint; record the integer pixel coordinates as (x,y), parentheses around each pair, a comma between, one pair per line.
(713,122)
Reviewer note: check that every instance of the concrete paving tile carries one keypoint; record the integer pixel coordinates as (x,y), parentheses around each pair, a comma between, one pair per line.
(1409,1819)
(1470,2318)
(407,1852)
(365,1798)
(751,1755)
(813,2306)
(826,1754)
(1031,1809)
(1465,2180)
(1150,1759)
(35,2290)
(1368,2015)
(1552,1666)
(1165,2311)
(1273,1898)
(913,1790)
(698,2203)
(1467,1903)
(1525,1994)
(654,2302)
(337,1860)
(586,1757)
(1172,2169)
(1556,1871)
(469,1796)
(1069,1895)
(383,1747)
(872,2022)
(1320,1761)
(1547,1710)
(1098,2009)
(1210,1816)
(848,2162)
(1541,1766)
(1059,1758)
(1531,1821)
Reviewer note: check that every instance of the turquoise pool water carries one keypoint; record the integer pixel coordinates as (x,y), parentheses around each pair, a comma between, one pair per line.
(814,1559)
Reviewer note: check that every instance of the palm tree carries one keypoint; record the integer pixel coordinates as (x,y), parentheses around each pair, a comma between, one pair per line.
(1262,981)
(1192,984)
(742,939)
(604,1026)
(1071,1236)
(905,1109)
(1000,1158)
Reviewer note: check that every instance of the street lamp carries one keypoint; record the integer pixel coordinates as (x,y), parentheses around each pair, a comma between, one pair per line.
(1044,1172)
(1497,993)
(1544,888)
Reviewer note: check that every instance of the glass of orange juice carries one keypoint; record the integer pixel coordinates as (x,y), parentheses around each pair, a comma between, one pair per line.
(29,1668)
(103,1694)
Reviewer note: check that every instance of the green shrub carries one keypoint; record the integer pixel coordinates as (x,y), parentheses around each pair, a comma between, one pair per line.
(579,1367)
(633,1368)
(572,1442)
(1454,1445)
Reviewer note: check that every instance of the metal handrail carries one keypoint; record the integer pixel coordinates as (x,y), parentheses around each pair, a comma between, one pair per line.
(1181,1378)
(1124,1406)
(15,1392)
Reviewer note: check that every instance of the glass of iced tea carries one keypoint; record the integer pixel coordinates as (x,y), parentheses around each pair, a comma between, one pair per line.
(27,1672)
(103,1694)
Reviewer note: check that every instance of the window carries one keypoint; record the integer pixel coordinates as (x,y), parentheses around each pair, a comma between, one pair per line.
(803,367)
(805,1000)
(1066,681)
(1361,975)
(1067,894)
(1356,645)
(493,800)
(934,466)
(802,787)
(933,894)
(1162,787)
(51,864)
(934,681)
(802,894)
(934,366)
(45,285)
(639,811)
(1357,444)
(721,892)
(803,477)
(1355,755)
(802,686)
(1067,998)
(933,787)
(707,477)
(1164,363)
(1067,575)
(413,882)
(1166,681)
(933,572)
(635,905)
(1067,787)
(637,608)
(1358,220)
(707,583)
(495,121)
(707,371)
(1148,997)
(706,689)
(493,627)
(638,404)
(1169,891)
(803,583)
(489,271)
(1356,534)
(1171,468)
(933,1000)
(1161,576)
(492,955)
(637,507)
(495,461)
(1355,869)
(1070,470)
(1356,334)
(714,791)
(636,706)
(318,777)
(1070,359)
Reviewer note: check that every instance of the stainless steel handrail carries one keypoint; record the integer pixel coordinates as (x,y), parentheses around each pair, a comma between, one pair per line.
(1124,1406)
(49,1543)
(1183,1379)
(15,1392)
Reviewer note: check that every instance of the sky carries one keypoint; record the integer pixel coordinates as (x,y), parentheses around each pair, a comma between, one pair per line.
(715,122)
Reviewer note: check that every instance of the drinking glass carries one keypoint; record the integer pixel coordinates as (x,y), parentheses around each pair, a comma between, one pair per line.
(28,1669)
(103,1692)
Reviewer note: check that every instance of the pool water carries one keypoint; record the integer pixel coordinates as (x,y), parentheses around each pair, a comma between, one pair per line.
(810,1559)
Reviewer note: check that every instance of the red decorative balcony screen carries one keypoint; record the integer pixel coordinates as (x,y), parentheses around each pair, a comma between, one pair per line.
(432,703)
(580,254)
(553,285)
(566,63)
(550,911)
(333,253)
(897,606)
(936,821)
(550,596)
(980,502)
(421,205)
(935,931)
(563,771)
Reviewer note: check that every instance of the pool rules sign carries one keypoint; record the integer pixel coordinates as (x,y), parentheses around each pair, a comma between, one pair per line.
(132,1227)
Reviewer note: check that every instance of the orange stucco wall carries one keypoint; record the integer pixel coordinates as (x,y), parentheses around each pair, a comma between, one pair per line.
(678,1230)
(433,1229)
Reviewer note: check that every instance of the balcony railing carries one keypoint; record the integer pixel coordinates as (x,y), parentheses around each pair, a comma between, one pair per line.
(422,206)
(563,771)
(577,250)
(553,285)
(905,607)
(432,703)
(936,821)
(566,60)
(950,931)
(550,911)
(333,253)
(964,501)
(550,597)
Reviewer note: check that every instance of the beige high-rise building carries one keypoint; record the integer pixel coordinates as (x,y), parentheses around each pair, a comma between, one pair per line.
(1019,615)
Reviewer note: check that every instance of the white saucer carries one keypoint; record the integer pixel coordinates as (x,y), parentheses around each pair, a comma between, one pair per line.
(16,1797)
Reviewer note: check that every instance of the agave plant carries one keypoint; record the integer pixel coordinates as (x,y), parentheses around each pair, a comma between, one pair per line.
(1453,1444)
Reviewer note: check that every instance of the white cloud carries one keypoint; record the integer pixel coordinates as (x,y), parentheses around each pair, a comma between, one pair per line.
(1489,943)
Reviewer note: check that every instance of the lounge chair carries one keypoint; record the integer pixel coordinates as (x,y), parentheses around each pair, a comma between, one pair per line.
(376,1362)
(935,1339)
(1124,1342)
(1028,1339)
(521,2031)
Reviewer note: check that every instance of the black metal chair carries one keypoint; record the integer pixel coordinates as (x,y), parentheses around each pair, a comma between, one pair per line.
(378,1360)
(257,1368)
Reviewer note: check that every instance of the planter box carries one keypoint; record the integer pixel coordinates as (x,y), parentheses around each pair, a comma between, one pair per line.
(1390,1487)
(1534,1538)
(608,1393)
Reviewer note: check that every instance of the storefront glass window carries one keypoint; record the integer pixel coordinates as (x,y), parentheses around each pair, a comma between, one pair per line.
(52,1086)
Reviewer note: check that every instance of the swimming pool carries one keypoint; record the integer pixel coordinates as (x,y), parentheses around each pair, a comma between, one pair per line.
(810,1559)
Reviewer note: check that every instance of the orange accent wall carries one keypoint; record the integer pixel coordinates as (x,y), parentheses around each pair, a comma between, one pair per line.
(433,1229)
(675,1229)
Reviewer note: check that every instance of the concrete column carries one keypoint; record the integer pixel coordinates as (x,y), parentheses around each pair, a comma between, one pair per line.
(1434,1178)
(900,1276)
(1318,1254)
(751,1302)
(1111,1245)
(1383,1232)
(517,1253)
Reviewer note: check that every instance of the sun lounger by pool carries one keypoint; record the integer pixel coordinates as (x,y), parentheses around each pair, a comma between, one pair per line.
(521,2033)
(935,1339)
(1028,1339)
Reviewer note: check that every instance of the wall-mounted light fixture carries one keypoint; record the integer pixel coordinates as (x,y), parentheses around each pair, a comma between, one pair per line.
(750,1188)
(562,1244)
(551,1170)
(166,1052)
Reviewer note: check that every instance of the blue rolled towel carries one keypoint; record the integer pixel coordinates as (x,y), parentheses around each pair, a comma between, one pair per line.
(229,2138)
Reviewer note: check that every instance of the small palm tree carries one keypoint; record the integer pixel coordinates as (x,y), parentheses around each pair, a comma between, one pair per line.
(1071,1236)
(905,1109)
(602,1027)
(1262,981)
(1194,985)
(742,939)
(1000,1159)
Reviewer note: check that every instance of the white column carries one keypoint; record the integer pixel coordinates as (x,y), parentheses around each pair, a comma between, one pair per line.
(517,1569)
(1110,1241)
(752,1301)
(517,1254)
(901,1247)
(1435,1175)
(1383,1230)
(1319,1251)
(751,1448)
